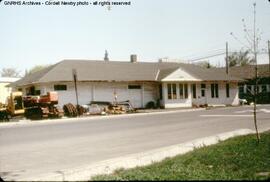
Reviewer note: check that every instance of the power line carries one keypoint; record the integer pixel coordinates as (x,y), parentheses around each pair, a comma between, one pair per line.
(206,57)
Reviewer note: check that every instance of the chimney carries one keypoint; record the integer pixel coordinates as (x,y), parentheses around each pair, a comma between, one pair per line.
(106,58)
(133,58)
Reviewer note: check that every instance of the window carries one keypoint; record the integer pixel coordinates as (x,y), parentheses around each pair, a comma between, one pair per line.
(241,89)
(181,91)
(186,90)
(172,91)
(194,91)
(37,92)
(264,88)
(227,90)
(60,87)
(160,92)
(134,87)
(214,90)
(203,90)
(169,89)
(249,91)
(258,88)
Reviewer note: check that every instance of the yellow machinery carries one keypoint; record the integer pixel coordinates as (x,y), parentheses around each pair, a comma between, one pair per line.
(32,107)
(15,104)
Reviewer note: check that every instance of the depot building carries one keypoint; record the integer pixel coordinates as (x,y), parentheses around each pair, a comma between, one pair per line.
(170,84)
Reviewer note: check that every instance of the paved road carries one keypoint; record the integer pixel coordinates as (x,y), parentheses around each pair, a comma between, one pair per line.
(40,148)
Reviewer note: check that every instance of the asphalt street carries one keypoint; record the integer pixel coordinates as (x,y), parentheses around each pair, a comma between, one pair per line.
(39,148)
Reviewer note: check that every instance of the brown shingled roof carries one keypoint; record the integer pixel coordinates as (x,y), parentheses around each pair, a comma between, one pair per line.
(116,71)
(248,71)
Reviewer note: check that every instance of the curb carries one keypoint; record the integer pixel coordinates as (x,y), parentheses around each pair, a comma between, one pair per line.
(53,121)
(140,159)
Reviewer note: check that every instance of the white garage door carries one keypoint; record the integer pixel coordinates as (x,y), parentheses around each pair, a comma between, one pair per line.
(135,95)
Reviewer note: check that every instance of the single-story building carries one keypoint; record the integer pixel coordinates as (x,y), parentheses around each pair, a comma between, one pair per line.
(247,72)
(247,87)
(173,84)
(4,89)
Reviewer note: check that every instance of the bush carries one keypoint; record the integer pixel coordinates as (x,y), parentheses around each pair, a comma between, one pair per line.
(150,105)
(262,98)
(158,105)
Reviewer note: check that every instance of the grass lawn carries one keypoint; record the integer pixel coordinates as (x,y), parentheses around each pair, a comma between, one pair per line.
(240,158)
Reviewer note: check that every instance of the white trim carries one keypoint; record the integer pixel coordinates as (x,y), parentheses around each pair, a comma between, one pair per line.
(157,74)
(180,75)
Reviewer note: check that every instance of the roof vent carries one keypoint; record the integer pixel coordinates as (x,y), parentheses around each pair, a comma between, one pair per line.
(133,58)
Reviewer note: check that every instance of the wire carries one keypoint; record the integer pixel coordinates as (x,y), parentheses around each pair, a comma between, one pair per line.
(211,52)
(206,57)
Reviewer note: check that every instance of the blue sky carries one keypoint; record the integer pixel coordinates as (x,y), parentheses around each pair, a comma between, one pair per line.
(152,29)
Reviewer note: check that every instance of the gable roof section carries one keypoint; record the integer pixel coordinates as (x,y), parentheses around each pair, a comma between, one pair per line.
(204,74)
(179,75)
(116,71)
(34,77)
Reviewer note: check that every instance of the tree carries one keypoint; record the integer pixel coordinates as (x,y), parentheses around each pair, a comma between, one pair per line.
(205,64)
(240,59)
(10,72)
(35,69)
(252,46)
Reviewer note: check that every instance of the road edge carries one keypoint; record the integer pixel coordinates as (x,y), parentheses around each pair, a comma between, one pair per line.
(139,159)
(65,120)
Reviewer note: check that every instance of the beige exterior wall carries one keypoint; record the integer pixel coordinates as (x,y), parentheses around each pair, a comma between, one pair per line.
(103,91)
(222,98)
(200,100)
(4,92)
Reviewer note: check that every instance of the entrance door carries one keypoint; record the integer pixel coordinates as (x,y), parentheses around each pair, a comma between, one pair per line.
(135,95)
(203,94)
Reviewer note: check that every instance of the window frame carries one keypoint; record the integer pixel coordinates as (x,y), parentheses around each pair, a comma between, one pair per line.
(60,87)
(214,90)
(227,90)
(174,92)
(194,91)
(138,87)
(181,91)
(203,88)
(169,91)
(186,91)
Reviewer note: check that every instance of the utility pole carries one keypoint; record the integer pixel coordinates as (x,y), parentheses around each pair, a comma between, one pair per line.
(74,73)
(227,59)
(269,55)
(255,41)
